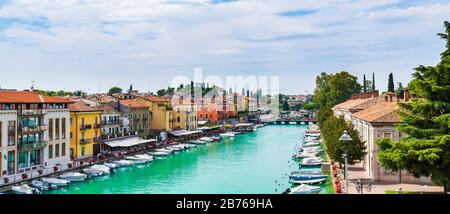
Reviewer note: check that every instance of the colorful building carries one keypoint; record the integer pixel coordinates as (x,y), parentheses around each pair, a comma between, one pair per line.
(161,114)
(85,132)
(33,133)
(139,115)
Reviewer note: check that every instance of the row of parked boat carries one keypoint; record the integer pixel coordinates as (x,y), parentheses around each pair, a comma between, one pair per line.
(63,180)
(309,174)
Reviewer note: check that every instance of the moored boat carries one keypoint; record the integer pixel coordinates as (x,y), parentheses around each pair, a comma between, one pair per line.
(104,169)
(304,189)
(25,189)
(122,163)
(311,162)
(163,150)
(207,139)
(73,176)
(158,154)
(146,157)
(308,181)
(56,181)
(42,186)
(198,142)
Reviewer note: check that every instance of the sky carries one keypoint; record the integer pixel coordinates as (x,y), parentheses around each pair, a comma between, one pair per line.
(93,45)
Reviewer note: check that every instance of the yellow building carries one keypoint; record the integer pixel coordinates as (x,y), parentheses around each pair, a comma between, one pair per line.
(161,114)
(185,117)
(84,131)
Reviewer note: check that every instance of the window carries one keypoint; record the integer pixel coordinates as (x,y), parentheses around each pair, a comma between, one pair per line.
(63,127)
(22,160)
(71,121)
(56,150)
(11,163)
(11,133)
(35,157)
(63,149)
(71,135)
(57,129)
(178,119)
(50,129)
(387,135)
(82,121)
(50,151)
(83,151)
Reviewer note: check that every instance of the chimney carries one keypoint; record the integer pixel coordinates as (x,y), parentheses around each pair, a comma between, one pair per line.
(375,93)
(390,97)
(406,95)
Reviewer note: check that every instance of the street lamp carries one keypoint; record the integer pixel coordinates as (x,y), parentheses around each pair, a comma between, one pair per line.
(345,137)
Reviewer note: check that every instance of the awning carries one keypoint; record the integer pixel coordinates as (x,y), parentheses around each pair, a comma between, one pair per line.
(202,122)
(127,142)
(209,128)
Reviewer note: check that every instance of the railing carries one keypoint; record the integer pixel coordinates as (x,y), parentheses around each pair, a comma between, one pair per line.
(31,112)
(31,129)
(114,122)
(85,141)
(85,127)
(96,139)
(31,145)
(114,136)
(96,126)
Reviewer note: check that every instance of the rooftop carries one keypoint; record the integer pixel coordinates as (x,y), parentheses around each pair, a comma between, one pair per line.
(137,103)
(82,107)
(29,97)
(384,112)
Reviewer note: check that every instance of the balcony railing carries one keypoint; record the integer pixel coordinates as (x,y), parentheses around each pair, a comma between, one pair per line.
(96,139)
(85,127)
(96,126)
(31,145)
(113,122)
(85,141)
(32,129)
(31,112)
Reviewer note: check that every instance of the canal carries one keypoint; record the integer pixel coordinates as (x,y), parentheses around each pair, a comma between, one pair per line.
(251,163)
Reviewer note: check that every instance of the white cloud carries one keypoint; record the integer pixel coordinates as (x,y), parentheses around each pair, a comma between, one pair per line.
(146,37)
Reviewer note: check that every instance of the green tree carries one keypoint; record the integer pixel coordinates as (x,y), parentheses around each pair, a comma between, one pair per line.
(114,90)
(364,83)
(426,123)
(391,83)
(399,91)
(446,36)
(332,129)
(161,92)
(392,156)
(332,89)
(373,82)
(285,106)
(323,115)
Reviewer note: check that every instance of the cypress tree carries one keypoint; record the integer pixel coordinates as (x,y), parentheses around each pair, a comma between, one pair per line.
(364,83)
(373,82)
(391,83)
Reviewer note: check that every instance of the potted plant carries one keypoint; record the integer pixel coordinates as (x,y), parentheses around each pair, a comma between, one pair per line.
(55,168)
(24,176)
(40,172)
(6,180)
(69,165)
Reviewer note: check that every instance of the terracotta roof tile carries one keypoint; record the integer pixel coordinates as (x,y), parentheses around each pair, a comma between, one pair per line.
(81,107)
(368,103)
(385,112)
(157,99)
(28,97)
(107,109)
(135,103)
(350,103)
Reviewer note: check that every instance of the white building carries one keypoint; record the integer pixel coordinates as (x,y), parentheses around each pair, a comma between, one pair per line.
(111,122)
(34,133)
(375,117)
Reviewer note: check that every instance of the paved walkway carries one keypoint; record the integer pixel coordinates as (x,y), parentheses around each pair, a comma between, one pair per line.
(356,172)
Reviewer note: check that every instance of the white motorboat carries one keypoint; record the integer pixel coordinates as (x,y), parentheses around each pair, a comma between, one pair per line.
(136,159)
(158,154)
(228,134)
(173,149)
(42,186)
(180,148)
(311,144)
(216,138)
(56,181)
(311,149)
(311,162)
(102,168)
(149,158)
(309,181)
(192,145)
(187,146)
(306,155)
(111,165)
(25,189)
(207,139)
(163,150)
(307,172)
(73,176)
(122,163)
(198,142)
(304,189)
(92,172)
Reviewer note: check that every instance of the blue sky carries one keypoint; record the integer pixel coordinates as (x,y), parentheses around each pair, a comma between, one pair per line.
(94,45)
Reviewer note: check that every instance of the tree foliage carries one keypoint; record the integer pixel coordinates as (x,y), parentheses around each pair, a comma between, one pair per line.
(332,89)
(425,151)
(332,129)
(114,90)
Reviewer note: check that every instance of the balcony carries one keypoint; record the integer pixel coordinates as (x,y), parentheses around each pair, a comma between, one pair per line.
(32,129)
(112,123)
(31,145)
(85,127)
(97,126)
(31,112)
(96,139)
(85,141)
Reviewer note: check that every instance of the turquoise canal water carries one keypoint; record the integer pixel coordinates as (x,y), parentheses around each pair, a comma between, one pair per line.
(251,163)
